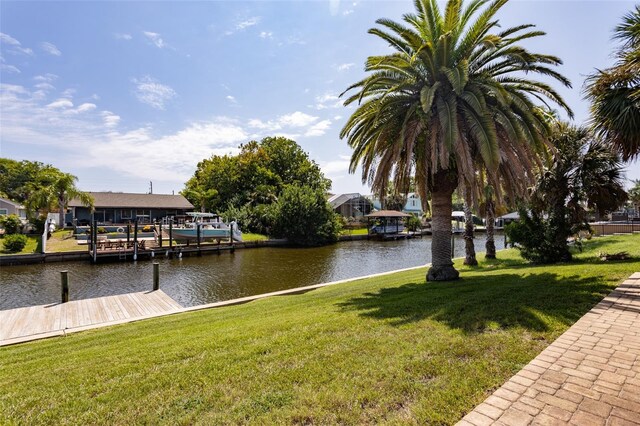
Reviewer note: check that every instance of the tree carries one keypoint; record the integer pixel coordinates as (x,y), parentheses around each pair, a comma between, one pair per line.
(583,174)
(58,194)
(257,175)
(615,92)
(469,248)
(490,216)
(305,217)
(634,195)
(453,98)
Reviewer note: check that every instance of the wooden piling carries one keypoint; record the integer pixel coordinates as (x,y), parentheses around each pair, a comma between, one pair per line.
(156,276)
(64,281)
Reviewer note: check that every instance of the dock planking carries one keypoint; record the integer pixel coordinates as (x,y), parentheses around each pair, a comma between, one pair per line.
(36,322)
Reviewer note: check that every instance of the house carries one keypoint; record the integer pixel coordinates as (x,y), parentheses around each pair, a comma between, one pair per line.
(413,205)
(11,207)
(122,207)
(351,205)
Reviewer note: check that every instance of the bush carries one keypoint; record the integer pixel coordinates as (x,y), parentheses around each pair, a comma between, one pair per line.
(102,230)
(413,223)
(11,224)
(14,243)
(305,217)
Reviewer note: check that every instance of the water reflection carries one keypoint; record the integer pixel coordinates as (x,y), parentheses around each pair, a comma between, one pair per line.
(198,280)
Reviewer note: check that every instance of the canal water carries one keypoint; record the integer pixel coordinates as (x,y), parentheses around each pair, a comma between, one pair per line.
(212,278)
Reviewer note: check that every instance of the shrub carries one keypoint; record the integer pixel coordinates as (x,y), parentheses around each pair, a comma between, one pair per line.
(146,228)
(102,230)
(305,217)
(15,243)
(413,223)
(11,224)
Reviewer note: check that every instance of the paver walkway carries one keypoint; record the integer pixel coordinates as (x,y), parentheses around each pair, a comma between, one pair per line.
(589,376)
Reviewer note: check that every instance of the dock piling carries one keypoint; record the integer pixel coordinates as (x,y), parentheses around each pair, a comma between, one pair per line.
(156,276)
(64,280)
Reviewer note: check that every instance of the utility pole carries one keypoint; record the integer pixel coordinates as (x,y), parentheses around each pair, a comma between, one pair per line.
(150,187)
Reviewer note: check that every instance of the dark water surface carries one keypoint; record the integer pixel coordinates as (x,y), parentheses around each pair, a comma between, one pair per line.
(212,278)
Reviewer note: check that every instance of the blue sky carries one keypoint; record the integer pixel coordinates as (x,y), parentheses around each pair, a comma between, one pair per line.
(123,93)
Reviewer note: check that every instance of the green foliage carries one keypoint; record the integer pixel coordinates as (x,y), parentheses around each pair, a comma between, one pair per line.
(305,218)
(14,243)
(255,176)
(102,230)
(11,224)
(413,223)
(615,92)
(583,172)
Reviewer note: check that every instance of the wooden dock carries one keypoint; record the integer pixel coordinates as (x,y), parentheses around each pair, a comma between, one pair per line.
(37,322)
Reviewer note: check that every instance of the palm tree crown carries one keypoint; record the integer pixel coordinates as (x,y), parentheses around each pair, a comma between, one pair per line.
(615,92)
(455,97)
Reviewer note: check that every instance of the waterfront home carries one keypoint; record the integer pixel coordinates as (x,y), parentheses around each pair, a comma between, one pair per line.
(413,205)
(351,205)
(122,207)
(11,207)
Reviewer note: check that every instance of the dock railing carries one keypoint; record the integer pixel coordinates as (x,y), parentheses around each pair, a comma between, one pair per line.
(609,228)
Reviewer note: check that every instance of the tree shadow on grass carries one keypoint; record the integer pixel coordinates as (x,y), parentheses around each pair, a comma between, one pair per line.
(485,302)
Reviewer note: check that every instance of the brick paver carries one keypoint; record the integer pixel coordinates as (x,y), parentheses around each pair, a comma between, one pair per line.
(589,376)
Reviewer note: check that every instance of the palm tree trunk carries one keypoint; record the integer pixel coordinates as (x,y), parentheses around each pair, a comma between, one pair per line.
(444,183)
(469,248)
(61,213)
(491,220)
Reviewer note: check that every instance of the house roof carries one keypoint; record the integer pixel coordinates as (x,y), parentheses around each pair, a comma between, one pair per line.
(138,201)
(13,203)
(339,199)
(388,213)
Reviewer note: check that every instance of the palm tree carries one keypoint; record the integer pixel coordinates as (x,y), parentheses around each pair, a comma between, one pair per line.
(490,214)
(469,248)
(57,194)
(454,95)
(615,92)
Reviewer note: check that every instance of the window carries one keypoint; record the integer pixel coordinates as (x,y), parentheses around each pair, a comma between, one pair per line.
(125,214)
(4,212)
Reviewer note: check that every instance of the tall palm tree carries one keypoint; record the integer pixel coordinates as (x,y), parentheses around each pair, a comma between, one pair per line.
(455,93)
(57,194)
(615,92)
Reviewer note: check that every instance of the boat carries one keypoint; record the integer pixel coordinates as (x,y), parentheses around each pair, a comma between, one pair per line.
(207,226)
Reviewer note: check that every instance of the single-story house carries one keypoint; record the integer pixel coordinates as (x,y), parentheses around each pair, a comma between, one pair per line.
(122,207)
(502,221)
(11,207)
(351,205)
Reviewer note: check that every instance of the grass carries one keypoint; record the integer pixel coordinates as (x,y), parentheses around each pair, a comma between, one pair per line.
(63,240)
(248,237)
(389,349)
(32,246)
(356,231)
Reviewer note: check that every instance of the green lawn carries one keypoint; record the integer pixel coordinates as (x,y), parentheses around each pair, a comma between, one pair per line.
(390,349)
(248,237)
(33,246)
(357,231)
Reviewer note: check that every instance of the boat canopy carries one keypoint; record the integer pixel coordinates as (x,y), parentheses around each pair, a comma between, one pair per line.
(200,214)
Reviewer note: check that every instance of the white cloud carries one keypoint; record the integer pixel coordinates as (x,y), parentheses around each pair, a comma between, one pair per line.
(318,129)
(326,101)
(231,99)
(344,67)
(110,119)
(122,36)
(347,12)
(14,46)
(9,68)
(153,93)
(248,23)
(47,78)
(155,38)
(7,39)
(266,34)
(334,7)
(61,103)
(47,87)
(337,117)
(336,169)
(50,48)
(86,107)
(297,119)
